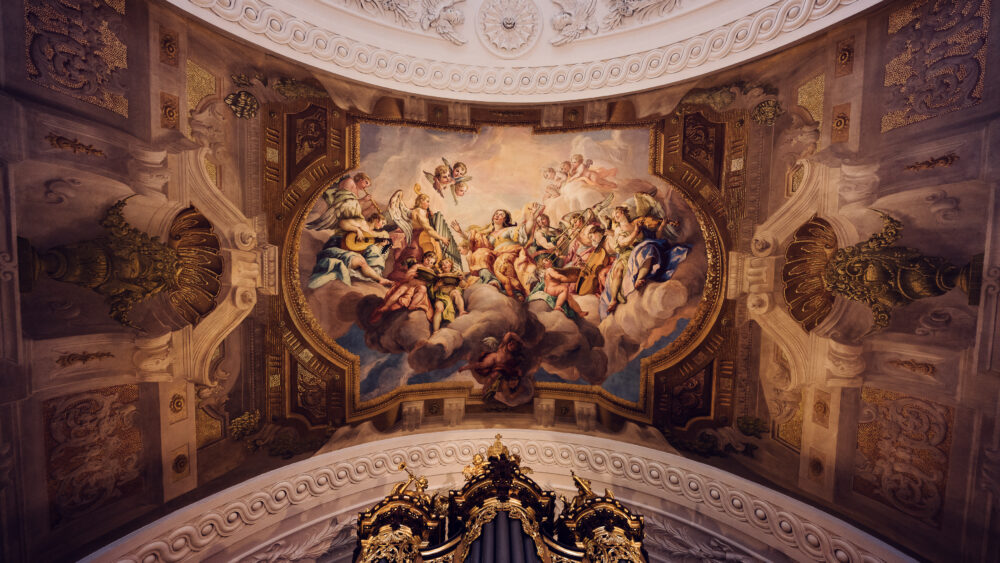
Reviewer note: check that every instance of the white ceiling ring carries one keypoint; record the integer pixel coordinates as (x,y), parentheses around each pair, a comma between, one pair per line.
(708,37)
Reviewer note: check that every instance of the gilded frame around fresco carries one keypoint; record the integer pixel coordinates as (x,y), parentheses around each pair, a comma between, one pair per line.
(307,343)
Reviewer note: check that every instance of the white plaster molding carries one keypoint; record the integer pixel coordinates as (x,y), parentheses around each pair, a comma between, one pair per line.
(372,58)
(812,198)
(236,514)
(443,17)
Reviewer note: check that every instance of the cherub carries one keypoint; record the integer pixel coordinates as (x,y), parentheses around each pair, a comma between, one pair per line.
(553,187)
(446,292)
(459,188)
(477,468)
(411,293)
(562,176)
(451,176)
(584,170)
(440,178)
(557,285)
(458,171)
(502,372)
(419,484)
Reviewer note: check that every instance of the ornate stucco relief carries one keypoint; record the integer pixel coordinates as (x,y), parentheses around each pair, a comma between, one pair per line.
(903,450)
(768,28)
(508,28)
(922,78)
(76,49)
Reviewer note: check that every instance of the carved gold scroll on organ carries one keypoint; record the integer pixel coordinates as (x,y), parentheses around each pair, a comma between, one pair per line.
(500,514)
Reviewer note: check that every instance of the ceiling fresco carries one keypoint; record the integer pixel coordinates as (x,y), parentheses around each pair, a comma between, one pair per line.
(500,264)
(762,303)
(485,275)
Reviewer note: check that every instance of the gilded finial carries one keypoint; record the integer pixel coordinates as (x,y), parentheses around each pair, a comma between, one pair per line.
(497,449)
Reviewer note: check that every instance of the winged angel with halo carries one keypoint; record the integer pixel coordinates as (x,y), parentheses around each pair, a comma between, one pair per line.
(575,18)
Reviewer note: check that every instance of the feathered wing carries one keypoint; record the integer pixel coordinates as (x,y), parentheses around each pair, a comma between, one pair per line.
(446,30)
(329,218)
(400,214)
(587,17)
(429,176)
(442,16)
(582,14)
(647,206)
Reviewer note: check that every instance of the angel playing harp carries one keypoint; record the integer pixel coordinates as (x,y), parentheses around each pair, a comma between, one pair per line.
(423,231)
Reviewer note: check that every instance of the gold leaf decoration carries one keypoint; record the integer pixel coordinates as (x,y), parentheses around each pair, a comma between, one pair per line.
(806,258)
(199,265)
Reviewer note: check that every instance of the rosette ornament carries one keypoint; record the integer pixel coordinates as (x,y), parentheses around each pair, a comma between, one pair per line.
(509,28)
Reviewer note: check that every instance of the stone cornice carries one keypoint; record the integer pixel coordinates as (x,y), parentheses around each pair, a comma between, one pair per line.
(436,70)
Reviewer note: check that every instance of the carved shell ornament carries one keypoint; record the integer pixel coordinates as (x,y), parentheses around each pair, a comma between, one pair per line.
(509,28)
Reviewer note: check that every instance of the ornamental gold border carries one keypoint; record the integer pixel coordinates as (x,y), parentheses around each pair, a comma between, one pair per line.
(319,174)
(487,513)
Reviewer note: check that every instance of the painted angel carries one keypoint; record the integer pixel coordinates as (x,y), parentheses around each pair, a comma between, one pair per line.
(574,19)
(642,255)
(422,230)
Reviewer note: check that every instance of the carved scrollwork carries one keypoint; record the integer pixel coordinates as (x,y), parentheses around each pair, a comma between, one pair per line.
(391,546)
(683,543)
(772,23)
(873,272)
(59,190)
(310,543)
(127,266)
(903,445)
(75,49)
(606,546)
(736,503)
(95,448)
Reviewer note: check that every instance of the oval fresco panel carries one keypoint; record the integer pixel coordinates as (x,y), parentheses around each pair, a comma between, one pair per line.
(500,260)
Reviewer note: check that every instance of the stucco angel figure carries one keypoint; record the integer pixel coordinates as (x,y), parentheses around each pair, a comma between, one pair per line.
(442,16)
(575,18)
